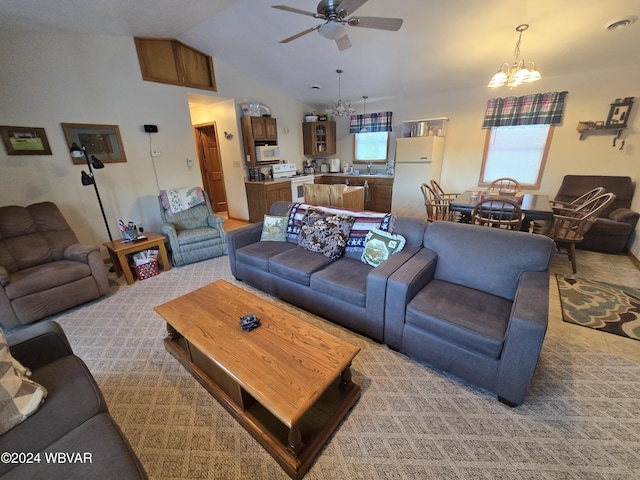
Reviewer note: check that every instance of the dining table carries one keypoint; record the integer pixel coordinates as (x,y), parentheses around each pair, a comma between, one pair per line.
(536,207)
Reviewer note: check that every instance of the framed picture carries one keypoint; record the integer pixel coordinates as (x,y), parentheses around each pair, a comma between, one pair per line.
(25,140)
(619,114)
(103,141)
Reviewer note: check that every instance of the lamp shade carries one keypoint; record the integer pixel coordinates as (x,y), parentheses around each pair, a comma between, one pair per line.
(76,151)
(86,179)
(96,163)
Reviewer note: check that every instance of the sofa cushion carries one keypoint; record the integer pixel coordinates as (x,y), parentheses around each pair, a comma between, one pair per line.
(258,254)
(20,397)
(44,277)
(344,279)
(73,397)
(380,246)
(325,233)
(297,264)
(274,228)
(99,449)
(197,235)
(463,316)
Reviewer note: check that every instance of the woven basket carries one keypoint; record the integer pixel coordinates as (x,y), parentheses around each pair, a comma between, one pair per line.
(146,270)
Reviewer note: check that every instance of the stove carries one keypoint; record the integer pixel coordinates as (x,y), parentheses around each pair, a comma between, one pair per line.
(288,170)
(283,170)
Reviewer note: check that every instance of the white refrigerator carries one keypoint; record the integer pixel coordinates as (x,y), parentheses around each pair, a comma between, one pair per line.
(418,160)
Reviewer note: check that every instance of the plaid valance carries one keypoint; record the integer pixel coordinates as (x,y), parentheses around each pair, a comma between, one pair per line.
(539,108)
(373,122)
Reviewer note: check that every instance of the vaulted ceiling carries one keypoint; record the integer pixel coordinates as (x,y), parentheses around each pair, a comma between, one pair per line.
(442,45)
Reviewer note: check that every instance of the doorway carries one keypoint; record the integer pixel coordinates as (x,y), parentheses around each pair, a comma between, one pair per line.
(211,165)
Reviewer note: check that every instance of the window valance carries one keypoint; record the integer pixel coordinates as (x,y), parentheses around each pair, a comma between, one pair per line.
(536,109)
(373,122)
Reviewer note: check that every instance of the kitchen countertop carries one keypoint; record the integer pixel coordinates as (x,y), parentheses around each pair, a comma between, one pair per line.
(349,175)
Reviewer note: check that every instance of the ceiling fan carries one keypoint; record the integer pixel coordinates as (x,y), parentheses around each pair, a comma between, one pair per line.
(336,25)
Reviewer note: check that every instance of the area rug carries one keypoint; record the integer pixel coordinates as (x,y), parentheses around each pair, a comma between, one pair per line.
(599,305)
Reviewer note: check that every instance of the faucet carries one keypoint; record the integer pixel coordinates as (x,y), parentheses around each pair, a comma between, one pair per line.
(368,168)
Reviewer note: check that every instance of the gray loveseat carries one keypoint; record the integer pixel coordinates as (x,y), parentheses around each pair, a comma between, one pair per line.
(474,302)
(345,291)
(72,420)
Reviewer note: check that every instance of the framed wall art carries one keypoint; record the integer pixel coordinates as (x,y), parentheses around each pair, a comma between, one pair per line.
(619,113)
(103,141)
(25,140)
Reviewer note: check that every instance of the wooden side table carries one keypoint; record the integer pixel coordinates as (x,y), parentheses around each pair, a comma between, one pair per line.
(119,249)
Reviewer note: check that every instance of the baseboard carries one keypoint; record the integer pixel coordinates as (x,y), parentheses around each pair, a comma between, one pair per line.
(633,259)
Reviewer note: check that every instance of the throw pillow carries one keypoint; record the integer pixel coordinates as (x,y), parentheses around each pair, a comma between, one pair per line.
(325,233)
(380,246)
(19,396)
(274,229)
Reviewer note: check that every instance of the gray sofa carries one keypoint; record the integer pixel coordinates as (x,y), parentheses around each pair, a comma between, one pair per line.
(73,418)
(473,302)
(43,268)
(611,231)
(346,291)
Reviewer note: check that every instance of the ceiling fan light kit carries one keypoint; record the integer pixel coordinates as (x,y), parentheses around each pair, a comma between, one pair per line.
(336,25)
(518,73)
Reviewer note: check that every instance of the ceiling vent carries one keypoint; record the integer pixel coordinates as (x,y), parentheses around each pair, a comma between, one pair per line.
(621,23)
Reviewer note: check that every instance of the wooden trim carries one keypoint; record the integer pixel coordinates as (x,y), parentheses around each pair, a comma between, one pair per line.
(634,259)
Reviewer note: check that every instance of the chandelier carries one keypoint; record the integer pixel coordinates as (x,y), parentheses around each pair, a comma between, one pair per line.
(340,109)
(520,72)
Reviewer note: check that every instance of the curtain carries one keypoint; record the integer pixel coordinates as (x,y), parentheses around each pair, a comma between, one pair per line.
(536,109)
(373,122)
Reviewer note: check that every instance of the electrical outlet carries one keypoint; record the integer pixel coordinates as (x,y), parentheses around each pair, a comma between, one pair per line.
(155,153)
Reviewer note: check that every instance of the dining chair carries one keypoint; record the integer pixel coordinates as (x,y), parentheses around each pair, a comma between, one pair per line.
(504,186)
(437,209)
(570,224)
(573,204)
(439,192)
(498,213)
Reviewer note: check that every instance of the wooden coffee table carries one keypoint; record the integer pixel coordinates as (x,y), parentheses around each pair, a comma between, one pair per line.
(287,382)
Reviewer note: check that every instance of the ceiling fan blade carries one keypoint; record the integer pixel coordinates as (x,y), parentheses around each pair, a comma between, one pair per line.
(343,43)
(347,7)
(380,23)
(298,35)
(293,10)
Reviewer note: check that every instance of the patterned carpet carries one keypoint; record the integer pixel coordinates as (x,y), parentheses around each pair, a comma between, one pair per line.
(603,306)
(580,421)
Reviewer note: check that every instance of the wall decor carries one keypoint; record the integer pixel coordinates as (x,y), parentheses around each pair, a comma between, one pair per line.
(619,112)
(25,140)
(103,141)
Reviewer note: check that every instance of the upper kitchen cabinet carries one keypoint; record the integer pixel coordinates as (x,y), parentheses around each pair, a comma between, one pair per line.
(166,60)
(319,138)
(256,131)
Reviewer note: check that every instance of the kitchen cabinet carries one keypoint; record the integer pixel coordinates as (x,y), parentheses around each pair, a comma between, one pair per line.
(166,60)
(378,198)
(261,195)
(319,138)
(254,131)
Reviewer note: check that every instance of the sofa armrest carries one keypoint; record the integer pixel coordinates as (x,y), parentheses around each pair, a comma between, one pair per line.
(524,337)
(239,238)
(215,221)
(625,215)
(79,252)
(402,286)
(377,286)
(39,344)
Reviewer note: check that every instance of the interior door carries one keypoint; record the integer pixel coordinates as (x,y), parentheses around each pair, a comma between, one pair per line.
(211,165)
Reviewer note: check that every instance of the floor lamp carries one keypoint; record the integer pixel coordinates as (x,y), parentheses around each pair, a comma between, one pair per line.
(89,179)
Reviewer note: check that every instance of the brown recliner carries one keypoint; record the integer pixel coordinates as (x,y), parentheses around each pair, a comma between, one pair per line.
(43,268)
(611,231)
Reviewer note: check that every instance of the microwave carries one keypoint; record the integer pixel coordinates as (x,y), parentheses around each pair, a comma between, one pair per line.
(268,153)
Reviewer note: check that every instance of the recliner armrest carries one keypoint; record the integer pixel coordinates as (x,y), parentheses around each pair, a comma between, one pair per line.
(79,252)
(4,276)
(625,215)
(215,221)
(39,344)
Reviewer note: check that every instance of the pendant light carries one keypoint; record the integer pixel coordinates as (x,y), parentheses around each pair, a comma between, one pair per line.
(519,73)
(340,109)
(364,115)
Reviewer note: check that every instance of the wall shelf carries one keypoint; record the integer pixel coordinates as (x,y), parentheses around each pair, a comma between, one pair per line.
(589,128)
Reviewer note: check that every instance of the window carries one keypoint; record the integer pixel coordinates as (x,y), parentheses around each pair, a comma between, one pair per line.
(518,152)
(371,147)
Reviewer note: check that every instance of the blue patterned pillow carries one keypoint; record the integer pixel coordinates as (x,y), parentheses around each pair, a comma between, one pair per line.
(325,233)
